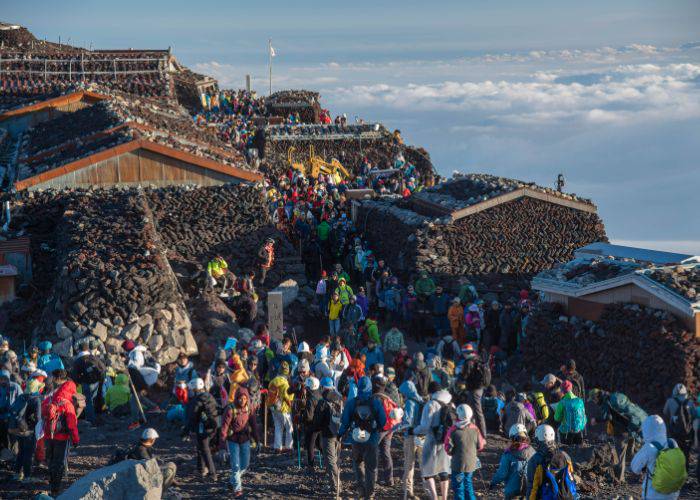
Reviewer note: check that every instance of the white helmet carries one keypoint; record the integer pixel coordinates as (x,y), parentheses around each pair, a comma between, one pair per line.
(396,414)
(303,347)
(545,433)
(516,430)
(359,435)
(196,384)
(680,390)
(149,433)
(312,383)
(465,412)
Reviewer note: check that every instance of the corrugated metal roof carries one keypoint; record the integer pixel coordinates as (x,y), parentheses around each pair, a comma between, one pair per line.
(656,257)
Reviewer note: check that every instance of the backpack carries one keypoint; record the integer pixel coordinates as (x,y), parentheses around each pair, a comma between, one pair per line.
(669,470)
(575,416)
(363,416)
(119,455)
(490,406)
(539,404)
(558,484)
(273,397)
(629,411)
(388,404)
(23,416)
(447,418)
(334,410)
(681,424)
(254,395)
(92,370)
(54,416)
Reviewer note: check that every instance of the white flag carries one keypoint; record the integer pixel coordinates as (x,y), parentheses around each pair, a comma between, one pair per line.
(272,51)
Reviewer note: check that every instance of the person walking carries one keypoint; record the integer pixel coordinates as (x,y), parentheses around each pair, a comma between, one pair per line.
(279,400)
(202,414)
(512,466)
(462,442)
(549,459)
(327,419)
(238,428)
(412,444)
(88,371)
(25,413)
(679,414)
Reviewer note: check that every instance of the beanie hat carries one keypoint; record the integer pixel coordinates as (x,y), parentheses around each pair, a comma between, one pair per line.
(327,383)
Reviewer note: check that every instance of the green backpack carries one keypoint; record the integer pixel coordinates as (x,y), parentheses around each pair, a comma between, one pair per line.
(669,471)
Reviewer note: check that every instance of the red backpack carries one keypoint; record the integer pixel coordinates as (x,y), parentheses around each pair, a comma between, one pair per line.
(388,405)
(54,415)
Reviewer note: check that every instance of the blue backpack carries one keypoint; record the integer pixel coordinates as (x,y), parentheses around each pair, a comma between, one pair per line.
(558,484)
(575,416)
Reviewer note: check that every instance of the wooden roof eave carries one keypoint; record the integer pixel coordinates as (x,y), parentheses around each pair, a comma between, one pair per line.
(54,102)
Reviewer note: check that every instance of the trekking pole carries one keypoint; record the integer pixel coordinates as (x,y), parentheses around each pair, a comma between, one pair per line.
(265,425)
(136,395)
(299,449)
(339,451)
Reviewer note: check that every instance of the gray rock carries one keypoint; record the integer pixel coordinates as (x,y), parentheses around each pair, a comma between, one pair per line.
(146,332)
(144,320)
(100,331)
(167,355)
(190,345)
(113,345)
(64,348)
(155,343)
(127,479)
(290,291)
(165,314)
(132,331)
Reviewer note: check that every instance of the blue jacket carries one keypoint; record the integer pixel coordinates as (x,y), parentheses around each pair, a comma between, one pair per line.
(8,395)
(512,466)
(50,362)
(365,394)
(413,404)
(373,357)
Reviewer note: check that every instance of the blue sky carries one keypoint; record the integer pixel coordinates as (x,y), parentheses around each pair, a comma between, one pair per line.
(606,92)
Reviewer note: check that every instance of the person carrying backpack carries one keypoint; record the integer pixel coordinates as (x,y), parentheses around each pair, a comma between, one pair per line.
(475,375)
(9,392)
(143,450)
(279,400)
(327,419)
(550,470)
(436,418)
(202,414)
(679,414)
(312,437)
(462,441)
(661,462)
(493,404)
(512,468)
(364,417)
(412,445)
(391,412)
(515,412)
(60,427)
(88,371)
(238,427)
(25,412)
(571,412)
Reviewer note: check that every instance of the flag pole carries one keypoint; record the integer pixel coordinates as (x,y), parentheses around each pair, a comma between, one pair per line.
(269,54)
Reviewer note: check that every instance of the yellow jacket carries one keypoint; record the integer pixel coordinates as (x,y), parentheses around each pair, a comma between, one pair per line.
(278,395)
(334,309)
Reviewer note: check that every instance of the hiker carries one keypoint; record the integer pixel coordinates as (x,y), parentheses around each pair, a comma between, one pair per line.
(118,396)
(218,272)
(476,376)
(344,291)
(679,414)
(58,414)
(491,331)
(9,392)
(363,417)
(549,464)
(455,315)
(420,374)
(472,321)
(437,373)
(387,432)
(448,347)
(88,371)
(424,286)
(321,291)
(266,258)
(326,421)
(552,387)
(184,369)
(373,354)
(312,437)
(393,340)
(512,468)
(25,412)
(568,372)
(238,428)
(8,358)
(48,361)
(279,400)
(506,322)
(202,414)
(623,420)
(143,450)
(334,310)
(391,389)
(439,305)
(349,379)
(462,442)
(515,412)
(493,404)
(412,444)
(660,461)
(435,462)
(571,412)
(350,317)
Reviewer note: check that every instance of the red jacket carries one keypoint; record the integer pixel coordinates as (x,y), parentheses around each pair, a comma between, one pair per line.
(63,396)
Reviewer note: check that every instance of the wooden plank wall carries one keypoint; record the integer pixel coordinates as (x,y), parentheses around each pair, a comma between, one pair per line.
(138,167)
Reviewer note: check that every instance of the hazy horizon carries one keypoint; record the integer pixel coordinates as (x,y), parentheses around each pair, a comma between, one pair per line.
(607,93)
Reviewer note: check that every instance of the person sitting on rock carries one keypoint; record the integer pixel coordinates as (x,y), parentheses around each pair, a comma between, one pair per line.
(143,450)
(218,272)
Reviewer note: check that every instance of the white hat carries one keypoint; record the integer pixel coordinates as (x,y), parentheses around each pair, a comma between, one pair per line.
(312,383)
(149,433)
(680,390)
(359,435)
(196,384)
(474,308)
(464,413)
(322,353)
(516,430)
(545,433)
(548,379)
(303,347)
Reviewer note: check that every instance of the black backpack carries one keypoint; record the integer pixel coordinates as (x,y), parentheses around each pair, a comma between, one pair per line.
(448,417)
(333,411)
(681,424)
(23,415)
(91,370)
(119,455)
(363,416)
(480,376)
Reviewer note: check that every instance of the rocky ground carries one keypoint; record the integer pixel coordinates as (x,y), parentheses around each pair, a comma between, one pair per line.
(272,475)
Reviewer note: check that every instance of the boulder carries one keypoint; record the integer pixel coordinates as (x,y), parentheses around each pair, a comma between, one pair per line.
(132,331)
(144,320)
(167,355)
(190,345)
(155,343)
(64,348)
(113,345)
(124,480)
(165,314)
(99,330)
(146,332)
(289,290)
